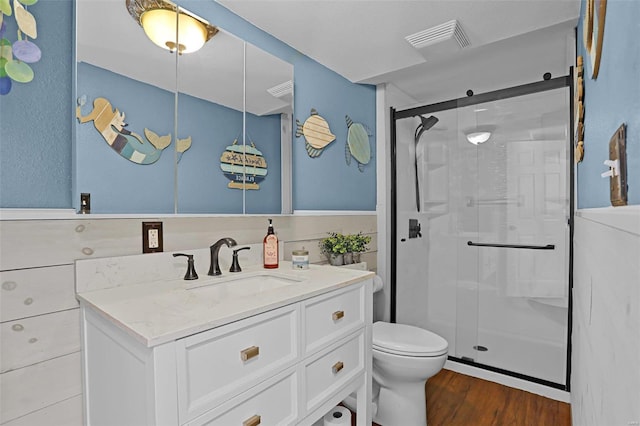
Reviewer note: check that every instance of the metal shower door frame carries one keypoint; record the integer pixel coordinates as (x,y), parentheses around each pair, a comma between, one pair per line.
(526,89)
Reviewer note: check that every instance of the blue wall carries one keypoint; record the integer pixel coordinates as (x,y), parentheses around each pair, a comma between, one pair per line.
(37,118)
(610,100)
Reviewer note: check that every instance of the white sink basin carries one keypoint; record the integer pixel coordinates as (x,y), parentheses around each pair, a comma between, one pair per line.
(245,284)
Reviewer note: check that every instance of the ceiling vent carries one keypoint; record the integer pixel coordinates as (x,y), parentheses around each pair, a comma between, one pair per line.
(282,90)
(443,38)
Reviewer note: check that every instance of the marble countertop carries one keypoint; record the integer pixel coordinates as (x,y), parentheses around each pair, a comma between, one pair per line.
(162,311)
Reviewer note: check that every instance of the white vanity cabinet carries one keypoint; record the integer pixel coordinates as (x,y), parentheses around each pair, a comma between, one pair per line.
(283,366)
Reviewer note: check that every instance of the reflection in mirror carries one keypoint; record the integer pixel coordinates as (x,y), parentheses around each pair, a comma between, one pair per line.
(210,113)
(117,62)
(151,95)
(268,123)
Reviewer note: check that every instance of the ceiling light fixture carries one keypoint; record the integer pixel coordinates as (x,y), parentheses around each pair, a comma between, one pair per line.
(478,137)
(479,133)
(158,20)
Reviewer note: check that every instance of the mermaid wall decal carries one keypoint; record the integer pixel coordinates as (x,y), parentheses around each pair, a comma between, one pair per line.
(109,122)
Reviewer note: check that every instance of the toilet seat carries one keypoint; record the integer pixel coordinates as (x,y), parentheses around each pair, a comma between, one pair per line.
(407,340)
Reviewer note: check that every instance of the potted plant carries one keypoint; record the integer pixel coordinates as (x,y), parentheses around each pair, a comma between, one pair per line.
(358,244)
(348,256)
(334,246)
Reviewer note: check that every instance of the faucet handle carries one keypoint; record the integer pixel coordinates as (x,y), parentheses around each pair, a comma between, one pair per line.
(191,269)
(235,266)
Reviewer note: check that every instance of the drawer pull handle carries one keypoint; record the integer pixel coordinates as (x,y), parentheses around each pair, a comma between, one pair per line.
(249,353)
(337,367)
(252,421)
(337,315)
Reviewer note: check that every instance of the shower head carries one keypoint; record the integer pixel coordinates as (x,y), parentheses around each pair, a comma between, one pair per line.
(428,123)
(425,124)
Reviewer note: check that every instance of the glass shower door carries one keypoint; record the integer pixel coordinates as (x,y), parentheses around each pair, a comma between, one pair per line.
(518,192)
(427,261)
(482,241)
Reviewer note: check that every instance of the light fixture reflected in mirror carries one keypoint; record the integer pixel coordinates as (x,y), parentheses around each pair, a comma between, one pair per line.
(158,20)
(478,137)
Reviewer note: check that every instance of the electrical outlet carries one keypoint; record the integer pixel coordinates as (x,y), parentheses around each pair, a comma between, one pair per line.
(154,241)
(151,237)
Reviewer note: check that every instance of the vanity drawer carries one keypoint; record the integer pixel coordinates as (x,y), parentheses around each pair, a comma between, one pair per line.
(329,317)
(333,368)
(273,402)
(215,365)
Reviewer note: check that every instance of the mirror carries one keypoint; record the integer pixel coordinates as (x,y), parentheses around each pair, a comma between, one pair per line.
(210,112)
(268,125)
(227,98)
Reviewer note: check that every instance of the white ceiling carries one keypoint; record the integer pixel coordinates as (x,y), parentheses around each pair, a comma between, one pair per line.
(513,41)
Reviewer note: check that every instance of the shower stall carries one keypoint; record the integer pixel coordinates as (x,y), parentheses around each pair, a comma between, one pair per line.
(482,227)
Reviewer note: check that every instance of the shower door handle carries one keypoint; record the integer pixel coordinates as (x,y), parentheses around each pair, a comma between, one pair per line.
(415,230)
(515,246)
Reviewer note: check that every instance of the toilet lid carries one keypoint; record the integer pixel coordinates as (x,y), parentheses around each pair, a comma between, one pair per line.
(402,339)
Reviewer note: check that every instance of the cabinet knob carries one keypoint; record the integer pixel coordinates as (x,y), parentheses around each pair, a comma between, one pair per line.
(337,367)
(252,421)
(247,354)
(337,315)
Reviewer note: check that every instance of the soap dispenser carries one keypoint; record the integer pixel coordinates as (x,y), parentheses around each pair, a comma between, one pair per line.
(270,248)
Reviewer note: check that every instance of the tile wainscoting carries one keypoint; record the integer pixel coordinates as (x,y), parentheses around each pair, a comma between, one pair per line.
(605,379)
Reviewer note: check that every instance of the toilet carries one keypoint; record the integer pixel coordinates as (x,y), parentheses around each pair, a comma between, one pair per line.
(404,357)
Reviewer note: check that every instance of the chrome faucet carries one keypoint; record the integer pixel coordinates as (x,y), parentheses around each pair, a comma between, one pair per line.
(214,269)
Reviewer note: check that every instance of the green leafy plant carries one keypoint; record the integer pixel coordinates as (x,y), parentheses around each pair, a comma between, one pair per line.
(358,242)
(335,243)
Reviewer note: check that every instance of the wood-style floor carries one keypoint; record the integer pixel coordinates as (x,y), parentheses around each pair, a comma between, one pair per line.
(455,399)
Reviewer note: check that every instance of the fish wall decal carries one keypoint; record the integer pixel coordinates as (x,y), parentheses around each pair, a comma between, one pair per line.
(316,132)
(357,145)
(109,122)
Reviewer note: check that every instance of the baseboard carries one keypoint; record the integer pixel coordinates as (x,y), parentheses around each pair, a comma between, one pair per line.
(512,382)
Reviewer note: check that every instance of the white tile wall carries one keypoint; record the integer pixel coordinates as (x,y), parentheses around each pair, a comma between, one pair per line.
(605,378)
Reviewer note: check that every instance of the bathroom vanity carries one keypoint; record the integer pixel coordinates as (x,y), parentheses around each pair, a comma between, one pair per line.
(258,347)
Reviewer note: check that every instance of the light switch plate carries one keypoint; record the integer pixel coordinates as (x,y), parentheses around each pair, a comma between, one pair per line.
(85,203)
(618,183)
(151,237)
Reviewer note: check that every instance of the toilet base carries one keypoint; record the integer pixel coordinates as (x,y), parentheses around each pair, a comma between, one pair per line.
(404,406)
(400,409)
(351,402)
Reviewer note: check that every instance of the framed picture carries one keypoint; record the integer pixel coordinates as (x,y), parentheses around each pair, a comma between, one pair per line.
(578,110)
(597,17)
(587,26)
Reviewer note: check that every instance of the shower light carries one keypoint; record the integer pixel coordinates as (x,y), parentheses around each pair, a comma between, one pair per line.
(478,137)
